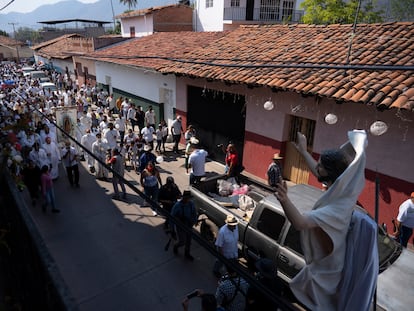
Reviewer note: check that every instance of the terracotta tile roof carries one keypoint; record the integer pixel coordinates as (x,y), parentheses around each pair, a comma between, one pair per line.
(146,11)
(7,41)
(49,42)
(65,46)
(156,50)
(312,59)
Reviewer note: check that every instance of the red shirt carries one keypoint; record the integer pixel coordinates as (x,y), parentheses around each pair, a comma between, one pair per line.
(231,158)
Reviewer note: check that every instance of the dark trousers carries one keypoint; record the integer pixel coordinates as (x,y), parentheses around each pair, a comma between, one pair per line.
(194,179)
(73,174)
(176,139)
(405,235)
(121,137)
(184,239)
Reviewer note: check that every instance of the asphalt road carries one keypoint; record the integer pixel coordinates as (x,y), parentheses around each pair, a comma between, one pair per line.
(111,253)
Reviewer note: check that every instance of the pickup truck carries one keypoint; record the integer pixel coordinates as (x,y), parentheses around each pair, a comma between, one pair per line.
(264,231)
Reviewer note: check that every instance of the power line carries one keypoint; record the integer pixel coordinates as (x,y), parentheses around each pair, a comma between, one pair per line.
(17,45)
(6,5)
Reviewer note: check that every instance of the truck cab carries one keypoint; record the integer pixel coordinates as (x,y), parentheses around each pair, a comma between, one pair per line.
(265,232)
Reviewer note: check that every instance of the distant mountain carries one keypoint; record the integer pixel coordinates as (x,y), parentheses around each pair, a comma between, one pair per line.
(71,9)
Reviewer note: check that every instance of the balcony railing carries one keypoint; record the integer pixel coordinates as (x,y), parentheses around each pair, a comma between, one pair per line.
(261,15)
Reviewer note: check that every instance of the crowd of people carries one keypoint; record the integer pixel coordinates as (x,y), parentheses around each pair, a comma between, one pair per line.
(119,135)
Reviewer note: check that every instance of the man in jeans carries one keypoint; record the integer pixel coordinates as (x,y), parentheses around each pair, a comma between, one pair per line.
(226,243)
(176,130)
(184,210)
(70,160)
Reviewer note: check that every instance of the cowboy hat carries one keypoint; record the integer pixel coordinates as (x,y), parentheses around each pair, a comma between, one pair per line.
(277,156)
(187,194)
(231,220)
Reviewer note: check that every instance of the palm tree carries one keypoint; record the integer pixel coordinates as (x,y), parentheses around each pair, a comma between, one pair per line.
(130,3)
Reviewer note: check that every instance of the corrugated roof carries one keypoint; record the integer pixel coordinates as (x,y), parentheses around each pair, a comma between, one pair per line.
(312,59)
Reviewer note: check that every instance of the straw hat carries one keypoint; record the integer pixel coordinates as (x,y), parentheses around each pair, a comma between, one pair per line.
(231,220)
(277,156)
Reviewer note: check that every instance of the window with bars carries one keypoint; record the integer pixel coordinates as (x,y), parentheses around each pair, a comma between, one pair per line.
(235,3)
(269,9)
(209,3)
(287,9)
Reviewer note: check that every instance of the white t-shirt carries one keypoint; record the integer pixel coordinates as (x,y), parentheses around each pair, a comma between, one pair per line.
(197,160)
(406,214)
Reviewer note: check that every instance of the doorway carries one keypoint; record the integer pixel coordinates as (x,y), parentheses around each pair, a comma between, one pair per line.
(295,168)
(219,118)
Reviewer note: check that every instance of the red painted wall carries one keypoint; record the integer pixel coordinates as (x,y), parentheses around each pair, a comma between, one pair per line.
(258,152)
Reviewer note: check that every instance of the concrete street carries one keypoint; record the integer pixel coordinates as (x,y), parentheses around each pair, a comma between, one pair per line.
(111,253)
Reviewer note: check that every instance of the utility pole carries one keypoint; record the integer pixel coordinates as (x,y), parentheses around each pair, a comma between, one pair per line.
(17,45)
(113,15)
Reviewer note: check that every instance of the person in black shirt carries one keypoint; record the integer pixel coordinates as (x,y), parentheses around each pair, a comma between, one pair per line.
(168,196)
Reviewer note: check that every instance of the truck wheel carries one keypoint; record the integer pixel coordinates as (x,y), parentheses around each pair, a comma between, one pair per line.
(208,230)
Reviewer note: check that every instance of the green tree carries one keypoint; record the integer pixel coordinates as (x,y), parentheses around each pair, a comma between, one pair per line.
(117,30)
(130,3)
(339,12)
(24,34)
(3,33)
(402,10)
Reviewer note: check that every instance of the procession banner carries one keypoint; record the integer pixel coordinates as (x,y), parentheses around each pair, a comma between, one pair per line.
(66,118)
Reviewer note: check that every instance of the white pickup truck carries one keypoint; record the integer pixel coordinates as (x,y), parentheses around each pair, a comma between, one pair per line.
(265,231)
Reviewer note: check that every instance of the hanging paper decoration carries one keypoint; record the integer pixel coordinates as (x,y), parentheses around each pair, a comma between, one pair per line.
(378,128)
(331,118)
(268,105)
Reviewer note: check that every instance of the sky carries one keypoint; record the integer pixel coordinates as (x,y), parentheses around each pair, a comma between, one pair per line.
(25,6)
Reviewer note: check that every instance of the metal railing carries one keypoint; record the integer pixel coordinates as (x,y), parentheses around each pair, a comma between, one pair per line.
(261,15)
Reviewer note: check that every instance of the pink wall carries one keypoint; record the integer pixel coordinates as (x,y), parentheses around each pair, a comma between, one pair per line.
(391,154)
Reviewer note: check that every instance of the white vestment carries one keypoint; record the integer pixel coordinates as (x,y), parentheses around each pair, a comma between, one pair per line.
(317,283)
(53,153)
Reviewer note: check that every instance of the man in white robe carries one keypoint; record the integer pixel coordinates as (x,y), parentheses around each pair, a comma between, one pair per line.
(324,229)
(99,149)
(53,154)
(87,140)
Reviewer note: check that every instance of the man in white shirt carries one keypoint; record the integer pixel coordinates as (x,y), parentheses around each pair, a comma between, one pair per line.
(405,221)
(226,243)
(131,116)
(111,135)
(197,162)
(87,140)
(150,117)
(176,130)
(148,135)
(53,154)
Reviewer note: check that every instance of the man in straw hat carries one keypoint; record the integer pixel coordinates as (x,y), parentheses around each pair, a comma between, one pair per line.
(226,243)
(274,171)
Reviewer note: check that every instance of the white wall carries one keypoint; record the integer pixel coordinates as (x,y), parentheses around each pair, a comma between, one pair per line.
(144,26)
(209,19)
(140,82)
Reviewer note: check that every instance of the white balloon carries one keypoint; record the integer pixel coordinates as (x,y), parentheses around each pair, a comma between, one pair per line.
(330,118)
(160,159)
(117,126)
(378,128)
(268,105)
